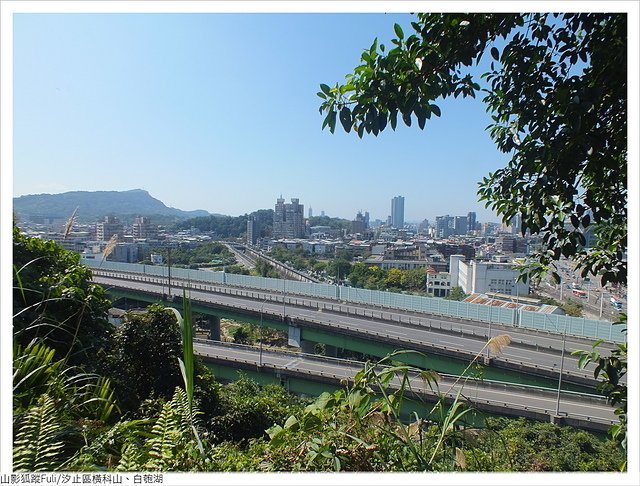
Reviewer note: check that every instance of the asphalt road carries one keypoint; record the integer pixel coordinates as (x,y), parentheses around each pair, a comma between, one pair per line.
(517,398)
(534,350)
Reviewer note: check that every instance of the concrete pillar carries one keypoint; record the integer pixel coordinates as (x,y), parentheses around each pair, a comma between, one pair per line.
(294,337)
(214,328)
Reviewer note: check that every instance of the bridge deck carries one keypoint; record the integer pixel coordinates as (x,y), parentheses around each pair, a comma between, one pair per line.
(583,410)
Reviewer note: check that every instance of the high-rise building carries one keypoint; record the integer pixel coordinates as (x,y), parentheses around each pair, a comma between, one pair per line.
(288,219)
(142,228)
(252,233)
(109,227)
(460,225)
(514,225)
(471,220)
(397,212)
(444,226)
(359,224)
(310,213)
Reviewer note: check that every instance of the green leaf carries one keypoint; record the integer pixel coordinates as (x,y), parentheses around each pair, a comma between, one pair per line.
(495,53)
(292,423)
(275,434)
(325,88)
(345,119)
(399,31)
(435,110)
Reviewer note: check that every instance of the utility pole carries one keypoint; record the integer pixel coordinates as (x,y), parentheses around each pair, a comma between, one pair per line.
(169,267)
(601,301)
(564,338)
(489,336)
(261,327)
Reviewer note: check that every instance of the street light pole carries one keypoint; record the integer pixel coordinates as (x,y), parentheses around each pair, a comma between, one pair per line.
(489,333)
(261,327)
(564,338)
(169,267)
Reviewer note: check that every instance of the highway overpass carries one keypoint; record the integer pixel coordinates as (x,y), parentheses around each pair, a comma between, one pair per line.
(586,411)
(531,353)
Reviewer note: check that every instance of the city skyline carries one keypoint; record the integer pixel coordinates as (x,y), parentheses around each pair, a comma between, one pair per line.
(94,112)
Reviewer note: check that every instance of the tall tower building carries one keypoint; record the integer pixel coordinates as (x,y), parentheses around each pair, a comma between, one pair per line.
(471,221)
(397,212)
(252,234)
(310,213)
(288,219)
(444,226)
(460,225)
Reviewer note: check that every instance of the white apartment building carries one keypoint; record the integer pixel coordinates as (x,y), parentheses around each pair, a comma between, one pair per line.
(482,277)
(438,283)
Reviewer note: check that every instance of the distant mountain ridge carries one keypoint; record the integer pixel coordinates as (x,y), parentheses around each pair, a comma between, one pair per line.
(94,205)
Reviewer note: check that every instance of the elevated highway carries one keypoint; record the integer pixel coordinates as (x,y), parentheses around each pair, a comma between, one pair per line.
(242,257)
(534,353)
(283,269)
(577,409)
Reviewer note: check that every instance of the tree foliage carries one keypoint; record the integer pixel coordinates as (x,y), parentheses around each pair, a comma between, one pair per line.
(264,269)
(556,90)
(144,357)
(201,254)
(230,226)
(456,293)
(394,279)
(55,299)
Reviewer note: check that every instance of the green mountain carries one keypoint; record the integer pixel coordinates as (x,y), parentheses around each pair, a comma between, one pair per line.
(95,205)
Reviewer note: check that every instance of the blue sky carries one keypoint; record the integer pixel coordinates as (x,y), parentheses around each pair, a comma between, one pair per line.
(219,112)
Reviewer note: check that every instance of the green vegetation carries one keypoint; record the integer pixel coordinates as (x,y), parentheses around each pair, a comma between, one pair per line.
(333,223)
(154,406)
(55,300)
(213,254)
(230,226)
(358,428)
(265,269)
(93,206)
(609,370)
(456,293)
(556,89)
(557,92)
(395,280)
(570,307)
(298,258)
